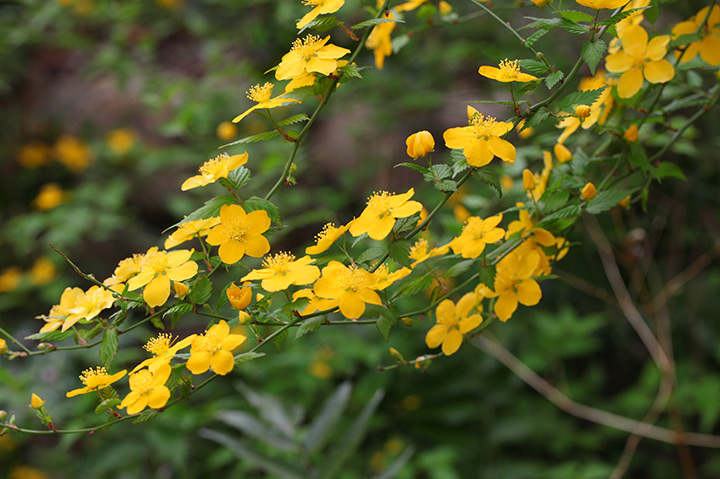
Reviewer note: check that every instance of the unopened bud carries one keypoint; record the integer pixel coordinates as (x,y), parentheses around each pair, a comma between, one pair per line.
(528,180)
(582,111)
(396,354)
(3,415)
(36,402)
(631,134)
(562,153)
(445,7)
(589,191)
(180,288)
(420,144)
(3,346)
(238,296)
(244,317)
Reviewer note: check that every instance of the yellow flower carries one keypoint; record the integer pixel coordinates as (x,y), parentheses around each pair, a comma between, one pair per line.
(453,321)
(709,44)
(385,278)
(639,59)
(326,238)
(513,283)
(476,233)
(50,196)
(445,7)
(214,350)
(163,351)
(383,209)
(147,389)
(421,251)
(239,297)
(262,95)
(43,271)
(36,402)
(88,305)
(352,287)
(126,269)
(27,472)
(191,229)
(588,192)
(632,134)
(73,153)
(507,71)
(562,153)
(226,131)
(320,7)
(582,111)
(60,312)
(158,269)
(33,154)
(528,179)
(409,5)
(379,40)
(598,4)
(314,303)
(420,144)
(541,3)
(95,380)
(525,223)
(3,346)
(121,140)
(310,55)
(214,169)
(480,141)
(240,233)
(283,270)
(599,110)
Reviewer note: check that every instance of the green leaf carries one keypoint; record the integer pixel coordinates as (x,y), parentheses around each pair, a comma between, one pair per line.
(413,166)
(441,171)
(145,416)
(247,357)
(384,325)
(552,79)
(321,24)
(177,311)
(446,185)
(264,136)
(406,224)
(399,250)
(610,21)
(569,102)
(309,325)
(570,211)
(210,209)
(485,175)
(534,67)
(459,268)
(593,52)
(350,71)
(530,85)
(330,413)
(299,118)
(256,429)
(605,200)
(575,16)
(239,177)
(667,169)
(574,28)
(414,285)
(487,276)
(553,201)
(107,404)
(385,318)
(200,290)
(56,335)
(108,347)
(537,35)
(254,203)
(280,339)
(370,254)
(637,157)
(374,21)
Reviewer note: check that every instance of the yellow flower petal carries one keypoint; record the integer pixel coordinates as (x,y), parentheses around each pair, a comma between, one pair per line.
(452,342)
(660,71)
(630,83)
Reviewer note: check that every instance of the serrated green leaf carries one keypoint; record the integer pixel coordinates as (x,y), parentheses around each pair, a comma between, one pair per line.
(537,35)
(573,27)
(446,185)
(280,339)
(414,285)
(374,21)
(264,136)
(406,224)
(210,209)
(254,203)
(50,336)
(605,200)
(299,118)
(108,347)
(610,21)
(106,404)
(536,118)
(552,79)
(177,311)
(145,416)
(529,86)
(637,157)
(350,71)
(441,171)
(321,24)
(309,325)
(246,357)
(570,101)
(399,251)
(570,211)
(535,67)
(200,290)
(553,201)
(384,325)
(239,177)
(486,275)
(486,176)
(370,254)
(575,16)
(593,52)
(666,169)
(413,166)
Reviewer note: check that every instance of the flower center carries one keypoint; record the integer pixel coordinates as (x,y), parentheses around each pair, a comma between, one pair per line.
(160,345)
(328,230)
(92,374)
(474,228)
(380,202)
(307,47)
(355,279)
(482,125)
(141,382)
(419,249)
(509,68)
(156,261)
(279,262)
(238,229)
(210,167)
(260,93)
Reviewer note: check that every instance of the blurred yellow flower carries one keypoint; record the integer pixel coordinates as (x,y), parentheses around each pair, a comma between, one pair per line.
(320,7)
(709,44)
(73,153)
(43,271)
(588,192)
(632,134)
(33,154)
(121,140)
(50,196)
(226,131)
(10,279)
(36,402)
(379,40)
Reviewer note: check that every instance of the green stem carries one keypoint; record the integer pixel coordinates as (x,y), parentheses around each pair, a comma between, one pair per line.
(12,338)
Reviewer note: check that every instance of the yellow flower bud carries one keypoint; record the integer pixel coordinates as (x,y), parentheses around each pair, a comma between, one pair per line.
(226,131)
(631,134)
(589,191)
(625,201)
(562,153)
(244,317)
(3,416)
(420,144)
(396,354)
(528,180)
(180,288)
(36,402)
(582,111)
(239,297)
(445,7)
(541,3)
(3,346)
